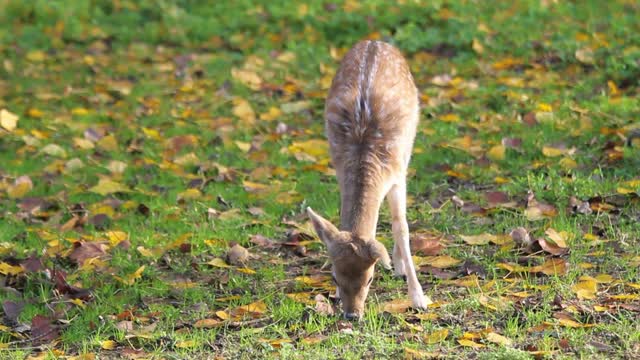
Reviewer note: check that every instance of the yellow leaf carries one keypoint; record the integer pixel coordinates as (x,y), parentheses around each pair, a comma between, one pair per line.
(470,343)
(311,340)
(247,77)
(585,55)
(83,143)
(186,344)
(116,236)
(477,46)
(436,336)
(130,279)
(412,354)
(586,289)
(20,188)
(273,114)
(79,111)
(316,149)
(481,239)
(626,297)
(223,314)
(6,269)
(207,323)
(189,194)
(108,345)
(244,146)
(568,163)
(604,278)
(544,107)
(107,186)
(450,117)
(79,302)
(218,262)
(551,267)
(497,153)
(301,297)
(396,306)
(8,120)
(36,55)
(498,339)
(559,238)
(108,143)
(441,261)
(246,270)
(549,151)
(572,323)
(54,150)
(243,110)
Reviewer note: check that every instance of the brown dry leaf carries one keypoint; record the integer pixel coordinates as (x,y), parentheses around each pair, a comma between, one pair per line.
(237,255)
(426,243)
(8,120)
(586,289)
(436,336)
(552,248)
(323,306)
(189,195)
(481,239)
(255,310)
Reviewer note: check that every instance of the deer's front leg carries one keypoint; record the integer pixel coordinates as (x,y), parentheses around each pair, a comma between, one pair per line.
(397,198)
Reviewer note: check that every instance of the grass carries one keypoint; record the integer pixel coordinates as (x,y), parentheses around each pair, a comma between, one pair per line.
(148,94)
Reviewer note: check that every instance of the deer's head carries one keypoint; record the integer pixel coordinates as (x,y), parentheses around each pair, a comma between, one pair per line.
(353,262)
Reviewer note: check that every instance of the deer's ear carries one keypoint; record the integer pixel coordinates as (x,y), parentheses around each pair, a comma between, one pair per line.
(326,231)
(379,253)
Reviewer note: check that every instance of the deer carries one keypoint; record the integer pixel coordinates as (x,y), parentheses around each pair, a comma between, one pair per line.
(371,116)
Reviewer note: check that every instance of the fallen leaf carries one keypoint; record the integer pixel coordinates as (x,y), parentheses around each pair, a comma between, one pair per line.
(470,343)
(108,345)
(397,306)
(436,336)
(237,255)
(21,186)
(481,239)
(8,120)
(107,186)
(498,339)
(585,289)
(441,261)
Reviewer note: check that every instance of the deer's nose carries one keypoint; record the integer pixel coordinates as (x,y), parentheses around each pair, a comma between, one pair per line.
(352,316)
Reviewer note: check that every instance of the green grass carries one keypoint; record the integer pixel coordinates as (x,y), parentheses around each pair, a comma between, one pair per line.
(74,70)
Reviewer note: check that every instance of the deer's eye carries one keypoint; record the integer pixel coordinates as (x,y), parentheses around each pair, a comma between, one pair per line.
(370,280)
(334,279)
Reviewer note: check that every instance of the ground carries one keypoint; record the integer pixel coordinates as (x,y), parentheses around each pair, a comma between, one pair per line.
(156,159)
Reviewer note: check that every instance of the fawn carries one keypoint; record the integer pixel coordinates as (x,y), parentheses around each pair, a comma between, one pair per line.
(371,115)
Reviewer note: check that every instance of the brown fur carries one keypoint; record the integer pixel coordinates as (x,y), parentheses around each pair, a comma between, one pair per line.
(371,114)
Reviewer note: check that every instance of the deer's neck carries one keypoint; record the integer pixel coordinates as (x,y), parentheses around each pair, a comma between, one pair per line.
(359,209)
